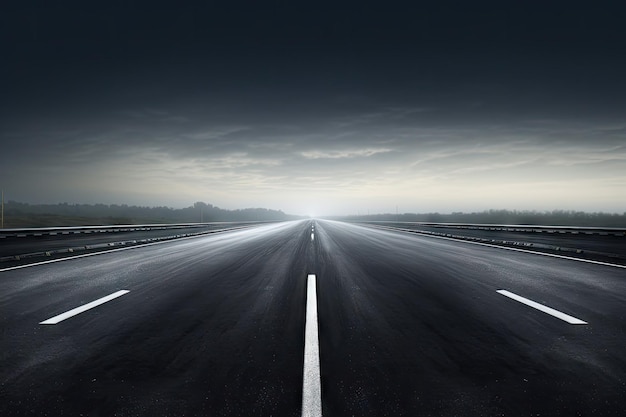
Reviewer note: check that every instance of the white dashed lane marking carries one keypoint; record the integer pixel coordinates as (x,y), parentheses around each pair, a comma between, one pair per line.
(541,307)
(73,312)
(311,383)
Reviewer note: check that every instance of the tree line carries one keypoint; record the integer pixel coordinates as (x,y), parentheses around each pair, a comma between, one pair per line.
(547,218)
(18,214)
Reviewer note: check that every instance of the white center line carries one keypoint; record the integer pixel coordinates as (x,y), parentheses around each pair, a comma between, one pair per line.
(311,383)
(312,236)
(84,307)
(541,307)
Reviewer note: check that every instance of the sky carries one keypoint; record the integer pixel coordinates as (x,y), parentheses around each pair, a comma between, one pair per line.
(315,108)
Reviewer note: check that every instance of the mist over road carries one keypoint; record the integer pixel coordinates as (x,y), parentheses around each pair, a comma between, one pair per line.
(408,325)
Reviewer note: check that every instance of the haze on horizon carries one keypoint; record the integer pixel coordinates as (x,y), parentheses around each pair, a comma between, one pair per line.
(316,108)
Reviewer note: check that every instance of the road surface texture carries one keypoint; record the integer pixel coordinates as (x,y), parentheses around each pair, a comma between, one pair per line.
(408,325)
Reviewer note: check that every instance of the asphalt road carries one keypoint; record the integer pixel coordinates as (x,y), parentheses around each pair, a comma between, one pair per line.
(408,325)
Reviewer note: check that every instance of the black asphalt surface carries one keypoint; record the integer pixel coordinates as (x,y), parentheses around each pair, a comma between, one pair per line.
(408,325)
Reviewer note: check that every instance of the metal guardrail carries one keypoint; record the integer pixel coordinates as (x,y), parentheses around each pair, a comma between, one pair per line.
(559,239)
(69,230)
(615,231)
(64,234)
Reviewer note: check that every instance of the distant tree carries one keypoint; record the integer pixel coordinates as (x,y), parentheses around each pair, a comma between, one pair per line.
(549,218)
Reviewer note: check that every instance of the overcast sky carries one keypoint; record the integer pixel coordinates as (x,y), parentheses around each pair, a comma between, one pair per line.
(315,107)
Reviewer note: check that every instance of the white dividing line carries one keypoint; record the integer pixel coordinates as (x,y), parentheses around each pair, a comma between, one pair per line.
(312,236)
(541,307)
(311,383)
(84,307)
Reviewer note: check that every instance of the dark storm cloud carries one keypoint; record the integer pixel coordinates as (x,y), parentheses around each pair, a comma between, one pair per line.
(270,100)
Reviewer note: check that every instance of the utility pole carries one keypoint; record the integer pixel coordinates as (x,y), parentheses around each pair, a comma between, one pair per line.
(2,210)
